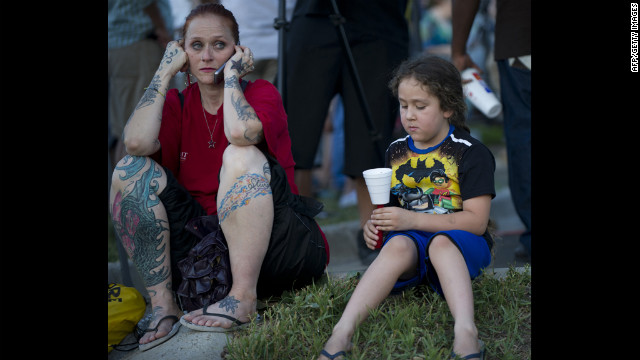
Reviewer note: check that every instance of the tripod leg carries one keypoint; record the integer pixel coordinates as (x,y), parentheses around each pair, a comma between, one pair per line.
(338,20)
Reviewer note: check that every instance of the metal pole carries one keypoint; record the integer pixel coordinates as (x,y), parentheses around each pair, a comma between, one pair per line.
(281,24)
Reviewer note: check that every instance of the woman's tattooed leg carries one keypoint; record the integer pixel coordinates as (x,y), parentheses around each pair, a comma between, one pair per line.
(142,232)
(245,188)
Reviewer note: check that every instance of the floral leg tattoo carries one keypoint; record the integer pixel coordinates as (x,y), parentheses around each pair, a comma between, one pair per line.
(246,187)
(135,223)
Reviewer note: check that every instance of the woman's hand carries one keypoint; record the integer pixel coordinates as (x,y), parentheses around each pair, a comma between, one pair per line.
(241,63)
(174,59)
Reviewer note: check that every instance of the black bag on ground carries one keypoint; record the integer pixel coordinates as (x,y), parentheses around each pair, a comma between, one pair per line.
(295,257)
(206,272)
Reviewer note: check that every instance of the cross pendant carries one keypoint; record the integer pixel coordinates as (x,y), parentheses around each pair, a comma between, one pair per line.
(212,144)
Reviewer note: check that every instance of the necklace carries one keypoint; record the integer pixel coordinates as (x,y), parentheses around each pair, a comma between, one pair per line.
(212,144)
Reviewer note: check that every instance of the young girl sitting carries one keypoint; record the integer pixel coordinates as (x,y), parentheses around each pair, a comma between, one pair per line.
(436,222)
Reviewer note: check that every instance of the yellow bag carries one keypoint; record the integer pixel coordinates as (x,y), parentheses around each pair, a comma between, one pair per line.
(126,308)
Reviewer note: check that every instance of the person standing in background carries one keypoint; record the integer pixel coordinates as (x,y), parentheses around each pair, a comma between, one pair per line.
(512,53)
(138,33)
(256,21)
(318,68)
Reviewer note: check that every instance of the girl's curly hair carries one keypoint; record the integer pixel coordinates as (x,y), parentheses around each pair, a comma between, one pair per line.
(438,77)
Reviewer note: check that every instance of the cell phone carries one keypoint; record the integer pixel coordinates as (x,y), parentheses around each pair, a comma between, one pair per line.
(219,74)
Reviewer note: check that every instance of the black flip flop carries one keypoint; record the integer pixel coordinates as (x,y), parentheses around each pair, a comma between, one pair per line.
(156,342)
(237,323)
(333,356)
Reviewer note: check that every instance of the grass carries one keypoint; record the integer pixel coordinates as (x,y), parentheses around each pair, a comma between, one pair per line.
(414,325)
(333,213)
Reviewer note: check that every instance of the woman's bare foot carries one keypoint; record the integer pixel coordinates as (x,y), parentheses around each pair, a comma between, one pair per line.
(236,307)
(164,327)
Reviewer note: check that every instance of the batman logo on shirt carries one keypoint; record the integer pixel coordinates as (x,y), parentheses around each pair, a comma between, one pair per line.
(419,172)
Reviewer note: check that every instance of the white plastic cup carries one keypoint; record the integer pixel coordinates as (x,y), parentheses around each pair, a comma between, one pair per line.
(479,93)
(379,184)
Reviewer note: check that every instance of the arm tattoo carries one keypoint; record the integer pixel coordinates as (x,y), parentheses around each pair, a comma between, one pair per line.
(243,109)
(245,188)
(245,113)
(231,82)
(149,96)
(237,65)
(167,58)
(242,68)
(135,223)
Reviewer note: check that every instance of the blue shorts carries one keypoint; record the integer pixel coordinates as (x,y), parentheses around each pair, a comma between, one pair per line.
(474,249)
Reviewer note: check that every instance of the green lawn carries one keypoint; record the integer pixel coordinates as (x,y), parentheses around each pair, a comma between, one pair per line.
(414,325)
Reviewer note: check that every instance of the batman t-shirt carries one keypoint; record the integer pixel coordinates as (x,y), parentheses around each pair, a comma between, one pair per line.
(436,180)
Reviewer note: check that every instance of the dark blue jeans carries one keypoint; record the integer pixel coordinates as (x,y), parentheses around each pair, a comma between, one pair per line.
(515,90)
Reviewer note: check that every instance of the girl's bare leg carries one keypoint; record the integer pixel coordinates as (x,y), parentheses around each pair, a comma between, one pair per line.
(398,258)
(456,286)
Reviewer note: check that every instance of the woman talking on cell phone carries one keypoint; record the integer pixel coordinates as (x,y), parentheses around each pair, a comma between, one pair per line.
(219,150)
